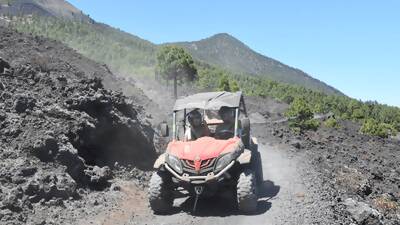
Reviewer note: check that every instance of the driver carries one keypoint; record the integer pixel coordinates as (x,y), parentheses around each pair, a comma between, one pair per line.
(198,127)
(228,116)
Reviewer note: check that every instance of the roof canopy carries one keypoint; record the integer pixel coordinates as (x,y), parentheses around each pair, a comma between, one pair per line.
(209,100)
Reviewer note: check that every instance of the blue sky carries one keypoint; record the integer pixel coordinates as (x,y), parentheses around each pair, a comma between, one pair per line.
(353,45)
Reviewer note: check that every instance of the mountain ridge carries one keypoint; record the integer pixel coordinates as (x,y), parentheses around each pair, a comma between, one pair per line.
(221,50)
(228,52)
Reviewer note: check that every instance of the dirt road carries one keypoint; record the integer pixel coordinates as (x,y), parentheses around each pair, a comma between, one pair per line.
(290,193)
(284,198)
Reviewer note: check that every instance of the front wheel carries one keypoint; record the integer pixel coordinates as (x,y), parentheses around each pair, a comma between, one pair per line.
(160,192)
(246,191)
(258,168)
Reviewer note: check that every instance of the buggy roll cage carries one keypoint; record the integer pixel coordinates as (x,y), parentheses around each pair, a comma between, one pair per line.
(209,101)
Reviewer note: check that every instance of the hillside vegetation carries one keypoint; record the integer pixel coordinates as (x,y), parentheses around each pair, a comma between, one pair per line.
(378,119)
(227,52)
(6,1)
(122,51)
(131,55)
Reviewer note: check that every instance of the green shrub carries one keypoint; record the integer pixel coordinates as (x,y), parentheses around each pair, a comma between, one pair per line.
(234,86)
(374,128)
(332,123)
(299,109)
(224,84)
(311,124)
(301,116)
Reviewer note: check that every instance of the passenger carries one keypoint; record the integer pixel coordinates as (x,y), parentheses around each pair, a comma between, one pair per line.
(227,129)
(198,127)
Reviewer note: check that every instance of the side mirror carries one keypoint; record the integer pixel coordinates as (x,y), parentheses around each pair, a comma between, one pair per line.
(164,129)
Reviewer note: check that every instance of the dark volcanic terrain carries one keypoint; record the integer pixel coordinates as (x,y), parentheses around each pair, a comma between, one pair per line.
(75,151)
(360,174)
(62,134)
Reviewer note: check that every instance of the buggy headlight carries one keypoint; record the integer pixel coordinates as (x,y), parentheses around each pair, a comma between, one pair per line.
(174,162)
(223,161)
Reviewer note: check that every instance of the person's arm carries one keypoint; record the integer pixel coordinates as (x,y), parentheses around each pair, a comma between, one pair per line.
(206,131)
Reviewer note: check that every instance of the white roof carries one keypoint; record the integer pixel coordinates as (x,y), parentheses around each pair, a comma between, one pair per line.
(209,100)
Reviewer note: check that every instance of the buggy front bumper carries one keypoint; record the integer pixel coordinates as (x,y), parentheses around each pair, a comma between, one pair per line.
(200,179)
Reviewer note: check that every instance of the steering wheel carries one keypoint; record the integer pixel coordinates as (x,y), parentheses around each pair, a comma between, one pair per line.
(224,134)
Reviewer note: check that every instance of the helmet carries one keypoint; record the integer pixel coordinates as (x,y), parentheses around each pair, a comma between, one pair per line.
(227,114)
(195,118)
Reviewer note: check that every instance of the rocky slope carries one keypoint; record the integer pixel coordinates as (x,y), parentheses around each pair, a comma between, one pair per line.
(62,134)
(360,173)
(54,8)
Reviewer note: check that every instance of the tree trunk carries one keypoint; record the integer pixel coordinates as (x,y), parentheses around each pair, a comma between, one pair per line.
(175,88)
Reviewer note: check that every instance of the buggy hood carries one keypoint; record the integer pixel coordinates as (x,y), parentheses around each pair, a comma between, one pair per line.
(203,148)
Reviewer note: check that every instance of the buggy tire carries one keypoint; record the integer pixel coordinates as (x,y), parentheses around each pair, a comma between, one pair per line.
(160,193)
(246,191)
(258,169)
